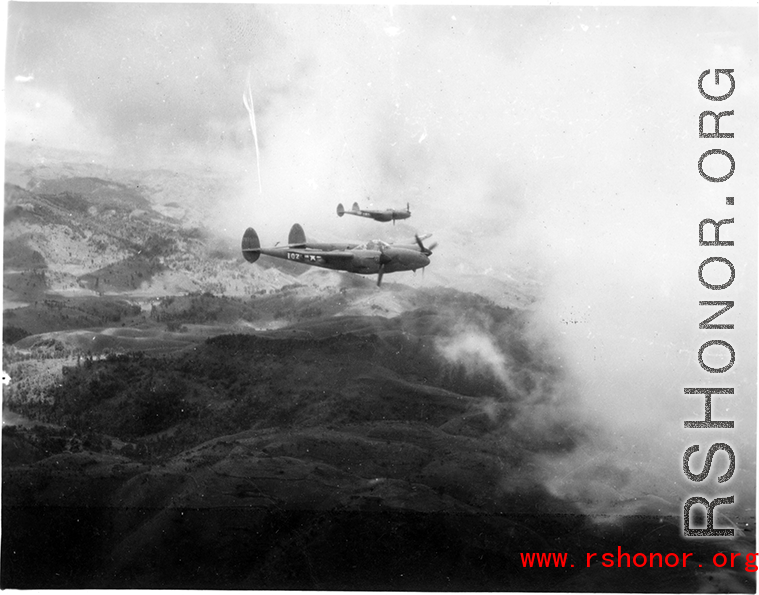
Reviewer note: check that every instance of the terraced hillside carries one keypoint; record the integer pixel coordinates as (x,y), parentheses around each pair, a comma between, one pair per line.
(91,236)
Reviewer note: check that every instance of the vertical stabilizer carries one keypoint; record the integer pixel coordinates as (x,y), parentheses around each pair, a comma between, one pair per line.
(251,247)
(297,236)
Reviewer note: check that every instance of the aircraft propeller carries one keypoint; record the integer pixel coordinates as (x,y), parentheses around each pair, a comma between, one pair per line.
(383,260)
(425,251)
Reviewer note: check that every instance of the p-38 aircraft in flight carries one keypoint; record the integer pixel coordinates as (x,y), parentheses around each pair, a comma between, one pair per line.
(377,215)
(370,258)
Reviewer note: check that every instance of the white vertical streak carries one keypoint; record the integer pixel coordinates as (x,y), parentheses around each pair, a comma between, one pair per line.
(247,100)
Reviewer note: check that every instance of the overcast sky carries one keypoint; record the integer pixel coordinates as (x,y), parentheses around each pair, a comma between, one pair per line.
(560,141)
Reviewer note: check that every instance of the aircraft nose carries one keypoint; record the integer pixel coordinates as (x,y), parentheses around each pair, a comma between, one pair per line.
(401,259)
(416,260)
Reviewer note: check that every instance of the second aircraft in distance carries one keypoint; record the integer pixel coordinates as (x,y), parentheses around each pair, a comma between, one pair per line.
(377,215)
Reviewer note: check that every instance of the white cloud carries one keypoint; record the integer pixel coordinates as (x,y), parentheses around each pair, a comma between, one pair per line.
(45,118)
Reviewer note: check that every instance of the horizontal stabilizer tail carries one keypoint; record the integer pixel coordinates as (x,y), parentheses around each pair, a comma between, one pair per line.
(251,247)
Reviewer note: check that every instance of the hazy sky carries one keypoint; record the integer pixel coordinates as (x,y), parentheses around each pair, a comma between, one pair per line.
(558,141)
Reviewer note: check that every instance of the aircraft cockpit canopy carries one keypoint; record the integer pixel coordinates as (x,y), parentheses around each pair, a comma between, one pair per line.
(374,245)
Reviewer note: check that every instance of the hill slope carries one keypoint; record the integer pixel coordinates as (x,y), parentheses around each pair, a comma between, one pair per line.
(338,453)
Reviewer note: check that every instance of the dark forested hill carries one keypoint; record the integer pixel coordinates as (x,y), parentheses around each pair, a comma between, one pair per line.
(349,452)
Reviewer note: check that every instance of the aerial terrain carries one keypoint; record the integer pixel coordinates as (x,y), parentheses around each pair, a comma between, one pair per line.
(175,417)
